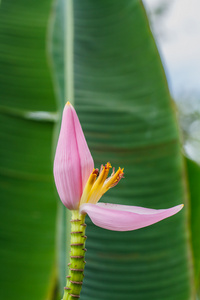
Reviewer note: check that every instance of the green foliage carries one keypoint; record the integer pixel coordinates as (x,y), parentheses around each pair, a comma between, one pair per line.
(28,206)
(122,99)
(193,171)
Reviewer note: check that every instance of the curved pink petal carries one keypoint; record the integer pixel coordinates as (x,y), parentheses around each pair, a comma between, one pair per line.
(124,218)
(73,162)
(86,160)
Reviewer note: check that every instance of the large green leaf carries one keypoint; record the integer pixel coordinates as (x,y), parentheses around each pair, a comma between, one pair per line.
(120,92)
(57,30)
(28,206)
(193,171)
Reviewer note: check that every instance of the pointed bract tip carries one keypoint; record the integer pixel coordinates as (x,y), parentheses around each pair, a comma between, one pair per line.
(68,103)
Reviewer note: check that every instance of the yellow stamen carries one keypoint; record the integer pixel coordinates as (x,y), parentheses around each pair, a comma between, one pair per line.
(95,193)
(112,180)
(95,188)
(89,185)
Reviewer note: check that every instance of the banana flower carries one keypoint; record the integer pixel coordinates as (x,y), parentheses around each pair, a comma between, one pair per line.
(80,187)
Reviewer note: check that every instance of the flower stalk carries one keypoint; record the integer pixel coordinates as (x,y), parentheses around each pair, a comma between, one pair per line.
(77,257)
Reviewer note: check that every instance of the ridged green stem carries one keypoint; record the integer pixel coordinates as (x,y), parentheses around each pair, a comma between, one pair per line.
(77,257)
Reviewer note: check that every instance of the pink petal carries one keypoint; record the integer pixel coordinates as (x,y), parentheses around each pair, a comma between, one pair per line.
(73,162)
(86,160)
(124,218)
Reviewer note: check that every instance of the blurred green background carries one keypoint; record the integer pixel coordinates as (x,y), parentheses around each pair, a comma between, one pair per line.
(102,57)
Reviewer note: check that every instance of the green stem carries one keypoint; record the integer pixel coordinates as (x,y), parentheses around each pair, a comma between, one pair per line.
(77,257)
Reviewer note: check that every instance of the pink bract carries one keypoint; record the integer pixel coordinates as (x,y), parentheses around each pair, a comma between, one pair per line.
(124,218)
(73,162)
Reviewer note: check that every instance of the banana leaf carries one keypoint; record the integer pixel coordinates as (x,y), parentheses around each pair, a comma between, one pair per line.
(193,172)
(27,117)
(114,76)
